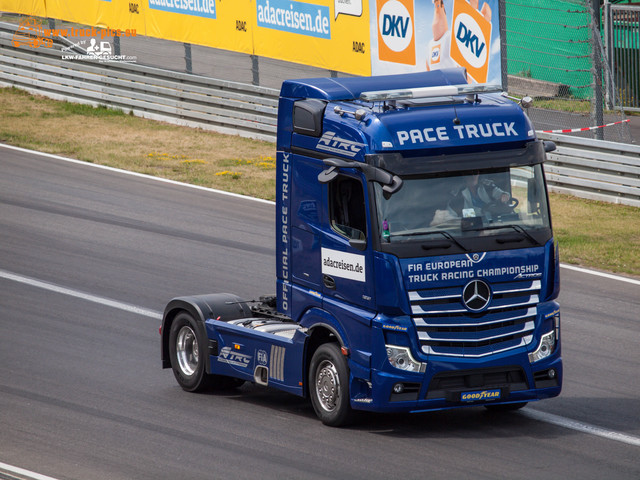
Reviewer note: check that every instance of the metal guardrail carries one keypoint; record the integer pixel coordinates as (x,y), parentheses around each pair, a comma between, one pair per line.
(594,169)
(181,98)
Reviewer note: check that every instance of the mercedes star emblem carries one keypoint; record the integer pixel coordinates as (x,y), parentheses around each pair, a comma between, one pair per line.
(476,295)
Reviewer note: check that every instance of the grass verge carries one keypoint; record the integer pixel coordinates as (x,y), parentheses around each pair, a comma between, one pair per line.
(592,234)
(110,137)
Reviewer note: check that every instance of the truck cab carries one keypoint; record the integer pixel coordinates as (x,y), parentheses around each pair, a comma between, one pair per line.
(416,266)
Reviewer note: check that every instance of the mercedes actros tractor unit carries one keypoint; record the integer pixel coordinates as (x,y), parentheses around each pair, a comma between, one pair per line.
(415,259)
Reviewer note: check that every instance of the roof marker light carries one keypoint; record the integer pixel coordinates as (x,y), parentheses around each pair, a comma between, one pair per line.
(428,92)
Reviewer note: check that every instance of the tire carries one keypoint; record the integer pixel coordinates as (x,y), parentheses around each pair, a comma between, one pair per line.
(505,407)
(188,353)
(329,386)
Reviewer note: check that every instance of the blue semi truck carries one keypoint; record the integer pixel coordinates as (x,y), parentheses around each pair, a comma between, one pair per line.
(416,265)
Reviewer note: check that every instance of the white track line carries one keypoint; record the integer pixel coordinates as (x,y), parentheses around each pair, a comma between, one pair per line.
(23,473)
(77,294)
(581,427)
(82,295)
(134,174)
(600,274)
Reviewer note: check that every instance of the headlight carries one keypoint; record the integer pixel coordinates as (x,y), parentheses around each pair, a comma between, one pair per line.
(546,347)
(401,358)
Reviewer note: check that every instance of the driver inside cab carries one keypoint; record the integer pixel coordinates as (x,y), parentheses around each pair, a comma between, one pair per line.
(476,194)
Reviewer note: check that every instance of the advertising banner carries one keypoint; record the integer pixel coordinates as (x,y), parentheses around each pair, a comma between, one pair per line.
(359,37)
(214,23)
(113,14)
(85,12)
(331,34)
(419,35)
(121,14)
(27,7)
(396,31)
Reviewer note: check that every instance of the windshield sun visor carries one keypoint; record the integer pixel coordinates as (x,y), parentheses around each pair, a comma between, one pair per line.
(531,154)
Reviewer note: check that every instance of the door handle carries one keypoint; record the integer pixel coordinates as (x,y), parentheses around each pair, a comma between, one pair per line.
(329,282)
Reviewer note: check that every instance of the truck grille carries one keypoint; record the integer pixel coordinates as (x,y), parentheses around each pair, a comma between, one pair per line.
(446,327)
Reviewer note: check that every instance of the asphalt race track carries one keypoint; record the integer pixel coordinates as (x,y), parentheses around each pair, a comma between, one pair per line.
(88,259)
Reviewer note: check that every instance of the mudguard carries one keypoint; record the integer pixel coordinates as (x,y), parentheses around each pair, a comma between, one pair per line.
(219,306)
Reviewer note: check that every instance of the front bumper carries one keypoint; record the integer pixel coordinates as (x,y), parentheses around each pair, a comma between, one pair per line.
(447,384)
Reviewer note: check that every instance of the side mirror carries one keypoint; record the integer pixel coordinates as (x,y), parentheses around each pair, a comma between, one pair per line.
(390,183)
(334,164)
(358,244)
(328,175)
(393,187)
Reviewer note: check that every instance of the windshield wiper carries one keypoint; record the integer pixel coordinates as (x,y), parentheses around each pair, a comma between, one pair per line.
(428,246)
(517,228)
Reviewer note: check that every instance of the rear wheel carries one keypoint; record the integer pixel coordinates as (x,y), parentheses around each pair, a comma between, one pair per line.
(329,386)
(187,351)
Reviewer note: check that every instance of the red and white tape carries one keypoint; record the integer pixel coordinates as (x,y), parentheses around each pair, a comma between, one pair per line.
(572,130)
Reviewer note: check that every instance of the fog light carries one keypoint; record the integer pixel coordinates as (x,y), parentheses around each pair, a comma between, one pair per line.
(552,373)
(398,388)
(401,358)
(546,347)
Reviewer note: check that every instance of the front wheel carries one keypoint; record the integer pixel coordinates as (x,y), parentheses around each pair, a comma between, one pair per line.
(329,385)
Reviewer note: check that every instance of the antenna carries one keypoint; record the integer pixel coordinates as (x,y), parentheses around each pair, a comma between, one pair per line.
(456,120)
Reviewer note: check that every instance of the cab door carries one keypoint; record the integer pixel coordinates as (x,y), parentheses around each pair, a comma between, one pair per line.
(346,251)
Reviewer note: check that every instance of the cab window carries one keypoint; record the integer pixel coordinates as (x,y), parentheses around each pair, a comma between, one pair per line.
(347,212)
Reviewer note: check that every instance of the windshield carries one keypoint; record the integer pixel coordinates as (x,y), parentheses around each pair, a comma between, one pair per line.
(448,209)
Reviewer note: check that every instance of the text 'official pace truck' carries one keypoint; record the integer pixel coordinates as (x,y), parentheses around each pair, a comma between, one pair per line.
(416,265)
